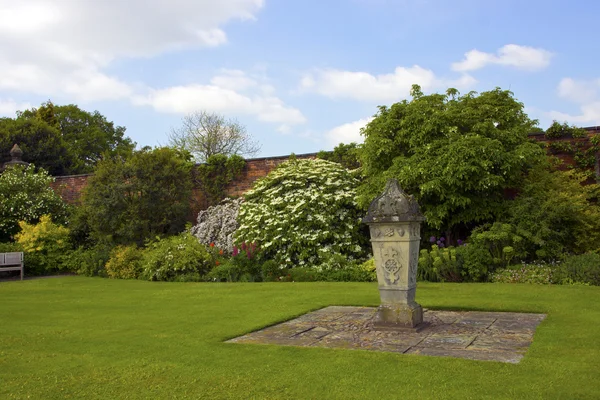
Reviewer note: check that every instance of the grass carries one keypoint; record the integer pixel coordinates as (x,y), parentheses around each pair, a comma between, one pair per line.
(76,337)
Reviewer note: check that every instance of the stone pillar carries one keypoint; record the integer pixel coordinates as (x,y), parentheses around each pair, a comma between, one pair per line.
(394,219)
(15,153)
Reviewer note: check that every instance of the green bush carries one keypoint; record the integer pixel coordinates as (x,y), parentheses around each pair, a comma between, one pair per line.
(226,272)
(302,274)
(271,271)
(45,245)
(370,269)
(302,213)
(477,262)
(243,266)
(502,241)
(165,259)
(584,268)
(124,262)
(133,200)
(538,273)
(89,261)
(439,265)
(555,214)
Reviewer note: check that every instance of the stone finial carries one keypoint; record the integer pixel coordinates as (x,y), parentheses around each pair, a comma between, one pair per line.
(16,153)
(393,205)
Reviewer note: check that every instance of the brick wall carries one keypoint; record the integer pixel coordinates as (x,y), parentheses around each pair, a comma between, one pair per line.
(582,143)
(70,187)
(254,169)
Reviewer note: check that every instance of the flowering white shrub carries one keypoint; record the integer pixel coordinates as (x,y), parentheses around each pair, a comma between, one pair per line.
(26,195)
(217,224)
(302,214)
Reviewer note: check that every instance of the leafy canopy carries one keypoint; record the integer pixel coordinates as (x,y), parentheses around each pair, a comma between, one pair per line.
(63,139)
(456,154)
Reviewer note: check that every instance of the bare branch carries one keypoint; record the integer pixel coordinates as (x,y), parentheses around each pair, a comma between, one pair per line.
(205,134)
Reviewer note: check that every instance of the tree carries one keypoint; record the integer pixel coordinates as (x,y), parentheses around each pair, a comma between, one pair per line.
(87,137)
(41,144)
(206,134)
(456,154)
(25,195)
(131,200)
(345,154)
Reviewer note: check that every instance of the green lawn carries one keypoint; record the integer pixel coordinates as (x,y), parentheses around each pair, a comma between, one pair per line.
(76,337)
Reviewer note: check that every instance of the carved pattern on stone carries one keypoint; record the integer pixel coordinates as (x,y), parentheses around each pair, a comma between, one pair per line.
(391,264)
(389,232)
(376,232)
(413,263)
(393,205)
(401,232)
(415,230)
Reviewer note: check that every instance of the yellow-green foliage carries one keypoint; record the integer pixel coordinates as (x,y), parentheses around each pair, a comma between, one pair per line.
(124,262)
(45,245)
(369,267)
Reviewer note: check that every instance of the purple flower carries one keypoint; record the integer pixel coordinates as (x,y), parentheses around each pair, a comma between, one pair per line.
(235,251)
(441,245)
(459,242)
(432,239)
(442,239)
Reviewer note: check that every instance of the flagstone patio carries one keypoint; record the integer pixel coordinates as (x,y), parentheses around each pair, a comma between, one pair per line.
(475,335)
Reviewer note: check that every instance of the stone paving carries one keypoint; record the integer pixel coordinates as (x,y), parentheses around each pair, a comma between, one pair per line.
(490,336)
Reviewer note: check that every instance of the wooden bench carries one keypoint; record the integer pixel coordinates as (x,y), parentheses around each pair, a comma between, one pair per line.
(12,262)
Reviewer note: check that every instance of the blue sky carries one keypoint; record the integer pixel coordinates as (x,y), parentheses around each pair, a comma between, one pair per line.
(300,75)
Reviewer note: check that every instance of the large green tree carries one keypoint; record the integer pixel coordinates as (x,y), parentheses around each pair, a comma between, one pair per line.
(457,154)
(131,200)
(63,139)
(40,142)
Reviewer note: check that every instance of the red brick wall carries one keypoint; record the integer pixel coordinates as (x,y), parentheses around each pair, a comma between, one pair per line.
(567,158)
(69,187)
(254,169)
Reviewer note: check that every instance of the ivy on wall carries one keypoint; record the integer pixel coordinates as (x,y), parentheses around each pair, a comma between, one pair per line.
(584,153)
(218,172)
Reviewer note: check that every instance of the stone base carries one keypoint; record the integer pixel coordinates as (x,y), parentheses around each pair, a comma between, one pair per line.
(399,317)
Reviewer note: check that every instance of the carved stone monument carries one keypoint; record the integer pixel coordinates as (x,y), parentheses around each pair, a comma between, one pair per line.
(394,219)
(15,153)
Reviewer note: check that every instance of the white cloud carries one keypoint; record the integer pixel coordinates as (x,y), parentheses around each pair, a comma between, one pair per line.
(364,86)
(190,98)
(234,80)
(585,94)
(63,46)
(522,57)
(578,91)
(8,107)
(347,133)
(589,115)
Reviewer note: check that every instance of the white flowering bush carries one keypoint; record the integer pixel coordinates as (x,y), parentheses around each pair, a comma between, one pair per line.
(25,195)
(302,214)
(217,224)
